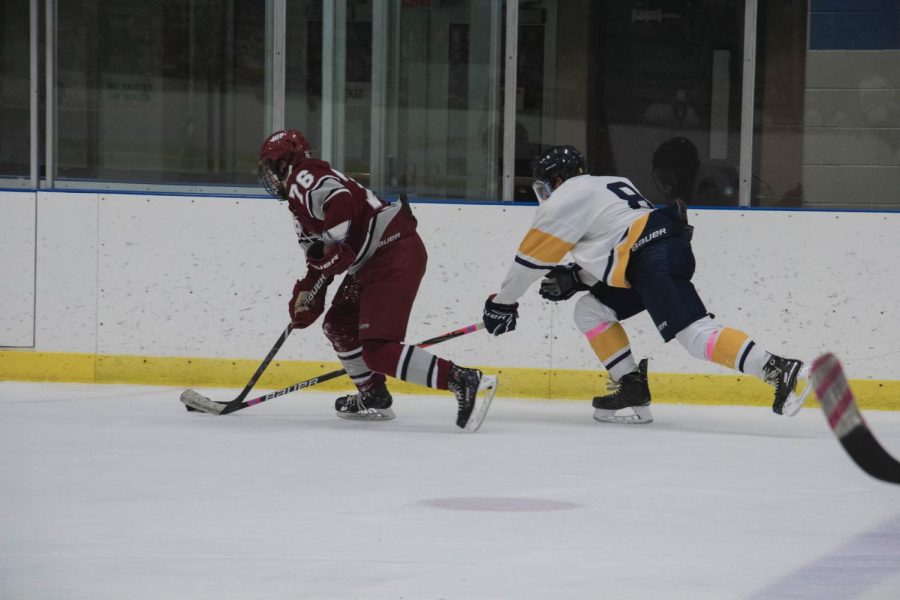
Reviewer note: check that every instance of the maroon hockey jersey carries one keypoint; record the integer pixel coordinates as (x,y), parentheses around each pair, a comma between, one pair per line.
(329,206)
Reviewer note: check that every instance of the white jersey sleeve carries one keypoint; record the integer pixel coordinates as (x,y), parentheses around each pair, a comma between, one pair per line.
(595,219)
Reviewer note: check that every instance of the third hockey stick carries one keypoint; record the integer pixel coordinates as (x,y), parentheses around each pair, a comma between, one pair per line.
(193,400)
(843,416)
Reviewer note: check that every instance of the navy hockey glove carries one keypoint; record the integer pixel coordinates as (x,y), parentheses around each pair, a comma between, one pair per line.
(499,318)
(562,283)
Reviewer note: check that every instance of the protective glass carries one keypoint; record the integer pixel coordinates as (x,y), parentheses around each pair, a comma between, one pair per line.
(665,180)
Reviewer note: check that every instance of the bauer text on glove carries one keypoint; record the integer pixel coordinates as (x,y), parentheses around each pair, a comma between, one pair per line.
(307,303)
(329,259)
(499,318)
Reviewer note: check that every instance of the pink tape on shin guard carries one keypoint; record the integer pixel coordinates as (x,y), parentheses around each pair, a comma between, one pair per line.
(597,330)
(711,344)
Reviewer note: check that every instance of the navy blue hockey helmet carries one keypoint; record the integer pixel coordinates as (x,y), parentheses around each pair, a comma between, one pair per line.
(558,161)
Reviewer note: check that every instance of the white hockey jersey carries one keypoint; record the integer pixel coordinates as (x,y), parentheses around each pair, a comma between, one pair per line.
(596,219)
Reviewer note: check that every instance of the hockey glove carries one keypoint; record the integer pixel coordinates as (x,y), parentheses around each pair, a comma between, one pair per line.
(305,307)
(329,259)
(499,318)
(562,283)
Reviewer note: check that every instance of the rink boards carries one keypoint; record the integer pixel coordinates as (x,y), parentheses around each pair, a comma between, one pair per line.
(193,290)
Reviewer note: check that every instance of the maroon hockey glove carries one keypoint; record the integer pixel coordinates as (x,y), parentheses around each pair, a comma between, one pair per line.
(304,310)
(329,259)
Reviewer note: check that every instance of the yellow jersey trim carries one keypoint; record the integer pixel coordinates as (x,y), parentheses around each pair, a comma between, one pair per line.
(622,253)
(544,247)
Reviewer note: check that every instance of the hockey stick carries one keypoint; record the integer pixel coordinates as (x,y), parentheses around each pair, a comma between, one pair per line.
(843,416)
(193,400)
(268,359)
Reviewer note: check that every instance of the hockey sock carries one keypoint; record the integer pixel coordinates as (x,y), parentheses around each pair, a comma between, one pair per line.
(360,374)
(409,363)
(734,349)
(755,359)
(723,345)
(610,343)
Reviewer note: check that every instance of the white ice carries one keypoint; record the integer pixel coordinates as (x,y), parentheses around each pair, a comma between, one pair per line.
(116,492)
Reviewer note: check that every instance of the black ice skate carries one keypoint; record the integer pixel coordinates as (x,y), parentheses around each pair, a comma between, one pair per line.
(784,374)
(632,392)
(371,405)
(465,383)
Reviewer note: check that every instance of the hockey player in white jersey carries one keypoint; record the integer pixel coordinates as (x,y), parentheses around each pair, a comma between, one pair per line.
(632,257)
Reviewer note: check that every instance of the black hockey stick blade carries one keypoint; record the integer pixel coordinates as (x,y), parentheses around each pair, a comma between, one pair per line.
(841,411)
(194,402)
(201,403)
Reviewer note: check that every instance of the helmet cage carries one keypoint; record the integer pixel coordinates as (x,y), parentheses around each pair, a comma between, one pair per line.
(272,174)
(279,153)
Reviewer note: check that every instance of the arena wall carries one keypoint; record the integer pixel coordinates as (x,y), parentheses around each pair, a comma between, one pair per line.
(193,291)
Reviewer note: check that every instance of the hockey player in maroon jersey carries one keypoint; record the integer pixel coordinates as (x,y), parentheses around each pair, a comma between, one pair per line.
(345,228)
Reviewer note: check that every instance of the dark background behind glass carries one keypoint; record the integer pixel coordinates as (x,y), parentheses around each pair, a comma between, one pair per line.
(15,85)
(162,92)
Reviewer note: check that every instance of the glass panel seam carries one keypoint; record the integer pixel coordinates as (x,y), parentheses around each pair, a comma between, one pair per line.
(747,106)
(33,99)
(50,73)
(509,99)
(279,35)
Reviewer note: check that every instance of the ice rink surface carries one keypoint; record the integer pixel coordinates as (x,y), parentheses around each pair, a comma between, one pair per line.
(116,492)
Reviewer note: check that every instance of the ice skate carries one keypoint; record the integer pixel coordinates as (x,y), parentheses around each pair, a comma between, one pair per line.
(465,384)
(631,392)
(786,375)
(370,405)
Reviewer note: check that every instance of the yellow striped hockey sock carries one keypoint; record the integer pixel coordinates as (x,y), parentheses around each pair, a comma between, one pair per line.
(610,343)
(734,349)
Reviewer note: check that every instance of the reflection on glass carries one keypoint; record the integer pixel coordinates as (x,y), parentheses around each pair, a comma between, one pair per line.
(780,74)
(303,71)
(443,95)
(829,104)
(357,109)
(350,65)
(15,84)
(627,84)
(166,91)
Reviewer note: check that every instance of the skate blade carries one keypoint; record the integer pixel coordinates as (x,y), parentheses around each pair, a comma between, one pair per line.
(639,415)
(795,399)
(195,402)
(370,414)
(482,402)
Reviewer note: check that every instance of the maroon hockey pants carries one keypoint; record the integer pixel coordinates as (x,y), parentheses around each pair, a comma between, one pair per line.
(369,314)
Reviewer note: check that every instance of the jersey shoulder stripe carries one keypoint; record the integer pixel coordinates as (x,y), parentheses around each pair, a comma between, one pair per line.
(324,190)
(542,247)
